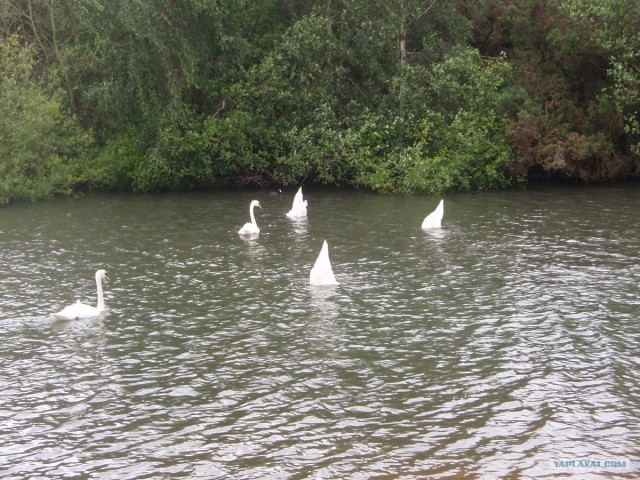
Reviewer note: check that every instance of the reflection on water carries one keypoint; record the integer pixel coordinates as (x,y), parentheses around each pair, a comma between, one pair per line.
(96,323)
(323,301)
(490,348)
(299,226)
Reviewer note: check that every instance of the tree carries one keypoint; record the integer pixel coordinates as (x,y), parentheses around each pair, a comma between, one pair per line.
(453,132)
(565,128)
(41,148)
(611,26)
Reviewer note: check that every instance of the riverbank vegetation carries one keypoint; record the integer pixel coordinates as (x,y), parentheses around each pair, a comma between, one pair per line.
(394,96)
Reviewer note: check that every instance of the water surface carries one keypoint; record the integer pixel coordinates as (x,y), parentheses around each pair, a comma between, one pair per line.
(490,348)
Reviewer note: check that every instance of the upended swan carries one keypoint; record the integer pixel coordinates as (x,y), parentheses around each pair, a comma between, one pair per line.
(299,207)
(434,219)
(79,310)
(251,228)
(322,273)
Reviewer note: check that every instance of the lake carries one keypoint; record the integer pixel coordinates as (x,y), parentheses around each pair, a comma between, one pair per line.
(503,345)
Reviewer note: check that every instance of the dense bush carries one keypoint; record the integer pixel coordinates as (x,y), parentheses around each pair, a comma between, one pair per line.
(452,135)
(412,96)
(43,151)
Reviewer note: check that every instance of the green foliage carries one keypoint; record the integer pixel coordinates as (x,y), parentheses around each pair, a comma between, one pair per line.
(178,160)
(289,112)
(314,153)
(460,112)
(609,26)
(41,148)
(397,97)
(114,165)
(321,128)
(468,154)
(239,145)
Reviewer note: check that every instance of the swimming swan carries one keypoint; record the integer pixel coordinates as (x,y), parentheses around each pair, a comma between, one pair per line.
(321,273)
(81,310)
(251,228)
(299,207)
(434,219)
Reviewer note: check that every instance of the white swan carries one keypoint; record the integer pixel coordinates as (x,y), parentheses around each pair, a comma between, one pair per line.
(299,207)
(81,310)
(251,228)
(434,219)
(321,273)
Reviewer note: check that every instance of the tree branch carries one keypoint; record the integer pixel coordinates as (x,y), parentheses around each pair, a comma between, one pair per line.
(423,13)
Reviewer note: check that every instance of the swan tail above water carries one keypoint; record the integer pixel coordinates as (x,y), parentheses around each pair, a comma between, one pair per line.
(298,211)
(434,219)
(322,273)
(299,207)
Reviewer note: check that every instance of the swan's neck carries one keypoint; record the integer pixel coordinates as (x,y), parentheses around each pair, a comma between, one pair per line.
(100,294)
(253,218)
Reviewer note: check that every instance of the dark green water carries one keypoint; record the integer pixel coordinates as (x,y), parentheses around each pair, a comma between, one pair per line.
(493,348)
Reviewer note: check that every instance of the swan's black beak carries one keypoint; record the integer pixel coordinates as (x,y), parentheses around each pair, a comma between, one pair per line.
(107,278)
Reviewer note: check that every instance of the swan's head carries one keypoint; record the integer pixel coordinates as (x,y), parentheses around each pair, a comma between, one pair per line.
(255,203)
(102,275)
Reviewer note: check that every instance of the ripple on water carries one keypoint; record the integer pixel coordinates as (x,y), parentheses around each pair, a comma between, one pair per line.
(485,350)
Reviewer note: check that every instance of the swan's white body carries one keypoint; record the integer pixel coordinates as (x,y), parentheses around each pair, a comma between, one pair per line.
(79,310)
(434,219)
(299,207)
(251,228)
(322,273)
